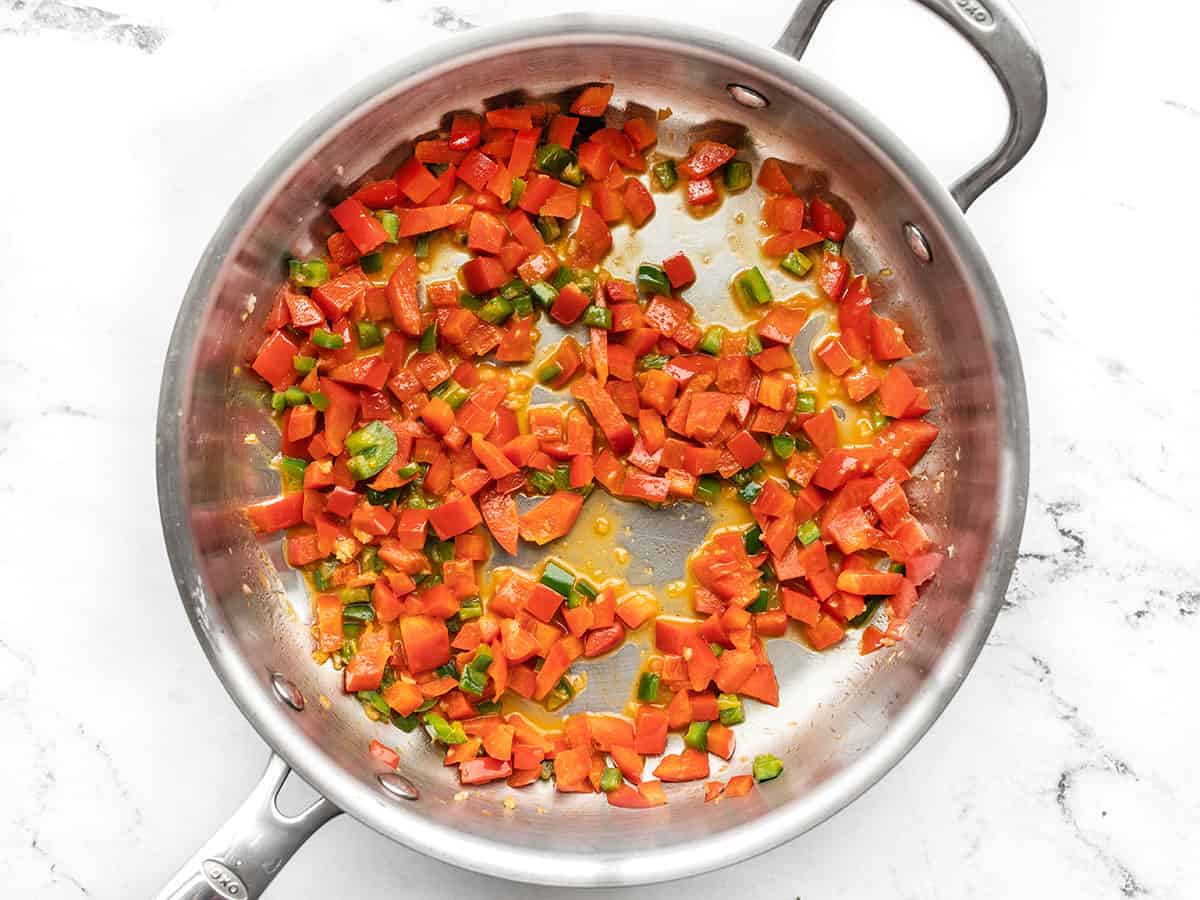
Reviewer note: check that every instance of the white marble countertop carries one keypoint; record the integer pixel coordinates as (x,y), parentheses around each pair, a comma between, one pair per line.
(1062,768)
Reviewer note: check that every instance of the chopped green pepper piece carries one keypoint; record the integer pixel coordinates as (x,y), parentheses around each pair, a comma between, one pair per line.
(652,361)
(878,420)
(421,246)
(408,470)
(598,317)
(371,263)
(544,294)
(291,472)
(323,574)
(897,568)
(584,280)
(547,770)
(440,552)
(352,595)
(730,709)
(651,279)
(523,306)
(572,174)
(549,372)
(708,488)
(351,632)
(371,448)
(495,311)
(754,286)
(766,767)
(562,477)
(518,191)
(562,694)
(760,601)
(428,342)
(714,336)
(586,588)
(552,158)
(375,699)
(664,172)
(467,300)
(737,175)
(446,732)
(470,608)
(487,707)
(293,396)
(557,578)
(405,723)
(610,779)
(806,402)
(308,273)
(752,538)
(834,247)
(327,340)
(474,676)
(304,364)
(647,691)
(753,344)
(716,648)
(562,276)
(391,224)
(452,392)
(808,532)
(749,491)
(784,445)
(796,262)
(868,613)
(369,334)
(697,735)
(369,560)
(550,230)
(541,482)
(319,400)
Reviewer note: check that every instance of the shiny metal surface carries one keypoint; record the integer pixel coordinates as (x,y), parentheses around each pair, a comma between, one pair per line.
(844,720)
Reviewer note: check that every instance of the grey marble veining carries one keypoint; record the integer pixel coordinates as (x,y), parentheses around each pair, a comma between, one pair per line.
(1064,766)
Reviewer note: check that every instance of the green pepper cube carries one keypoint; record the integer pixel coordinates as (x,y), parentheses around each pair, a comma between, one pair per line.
(806,402)
(446,732)
(708,489)
(495,311)
(749,492)
(421,246)
(308,273)
(753,343)
(572,174)
(550,230)
(752,538)
(610,779)
(665,174)
(697,735)
(371,263)
(557,578)
(518,191)
(327,340)
(760,601)
(304,364)
(369,334)
(598,317)
(541,482)
(754,286)
(651,279)
(429,338)
(766,767)
(647,691)
(549,372)
(391,224)
(652,361)
(808,532)
(544,294)
(371,448)
(834,247)
(796,262)
(784,445)
(730,709)
(713,338)
(552,158)
(291,472)
(293,396)
(467,300)
(737,175)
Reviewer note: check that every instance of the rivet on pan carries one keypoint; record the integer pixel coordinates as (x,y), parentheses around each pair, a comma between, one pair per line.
(747,96)
(399,786)
(287,692)
(917,242)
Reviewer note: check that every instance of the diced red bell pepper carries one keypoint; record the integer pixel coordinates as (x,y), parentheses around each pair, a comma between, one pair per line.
(706,158)
(639,203)
(477,169)
(561,130)
(592,100)
(834,272)
(524,144)
(896,394)
(828,220)
(274,361)
(277,513)
(701,192)
(484,274)
(552,518)
(679,270)
(430,218)
(415,181)
(590,243)
(616,430)
(454,517)
(486,233)
(360,226)
(887,339)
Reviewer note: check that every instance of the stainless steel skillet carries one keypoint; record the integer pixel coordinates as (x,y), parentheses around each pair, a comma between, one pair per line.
(844,721)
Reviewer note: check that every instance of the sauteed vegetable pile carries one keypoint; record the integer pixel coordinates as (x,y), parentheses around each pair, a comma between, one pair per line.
(431,427)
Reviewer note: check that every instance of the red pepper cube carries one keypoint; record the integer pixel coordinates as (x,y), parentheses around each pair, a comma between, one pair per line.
(701,192)
(679,270)
(569,305)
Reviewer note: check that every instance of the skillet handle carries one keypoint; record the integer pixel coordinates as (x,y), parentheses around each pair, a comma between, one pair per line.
(993,28)
(241,859)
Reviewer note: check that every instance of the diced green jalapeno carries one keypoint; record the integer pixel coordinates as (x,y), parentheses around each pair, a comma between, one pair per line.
(610,779)
(319,400)
(353,595)
(806,402)
(647,691)
(796,262)
(549,372)
(390,222)
(585,281)
(652,361)
(766,767)
(371,448)
(544,294)
(665,174)
(467,300)
(369,334)
(749,491)
(293,396)
(737,175)
(752,538)
(304,364)
(470,608)
(409,470)
(549,228)
(452,392)
(291,472)
(897,568)
(495,311)
(487,707)
(350,633)
(697,735)
(308,273)
(523,306)
(730,709)
(714,336)
(572,174)
(557,578)
(708,489)
(586,588)
(760,601)
(323,574)
(753,343)
(651,279)
(428,342)
(808,532)
(784,445)
(563,275)
(440,551)
(371,263)
(541,482)
(446,732)
(474,676)
(375,699)
(421,246)
(327,340)
(754,286)
(518,191)
(598,317)
(552,158)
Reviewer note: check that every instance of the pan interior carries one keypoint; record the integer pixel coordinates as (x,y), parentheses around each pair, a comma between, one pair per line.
(840,712)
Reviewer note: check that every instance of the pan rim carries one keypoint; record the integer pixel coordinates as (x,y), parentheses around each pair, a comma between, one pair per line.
(407,825)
